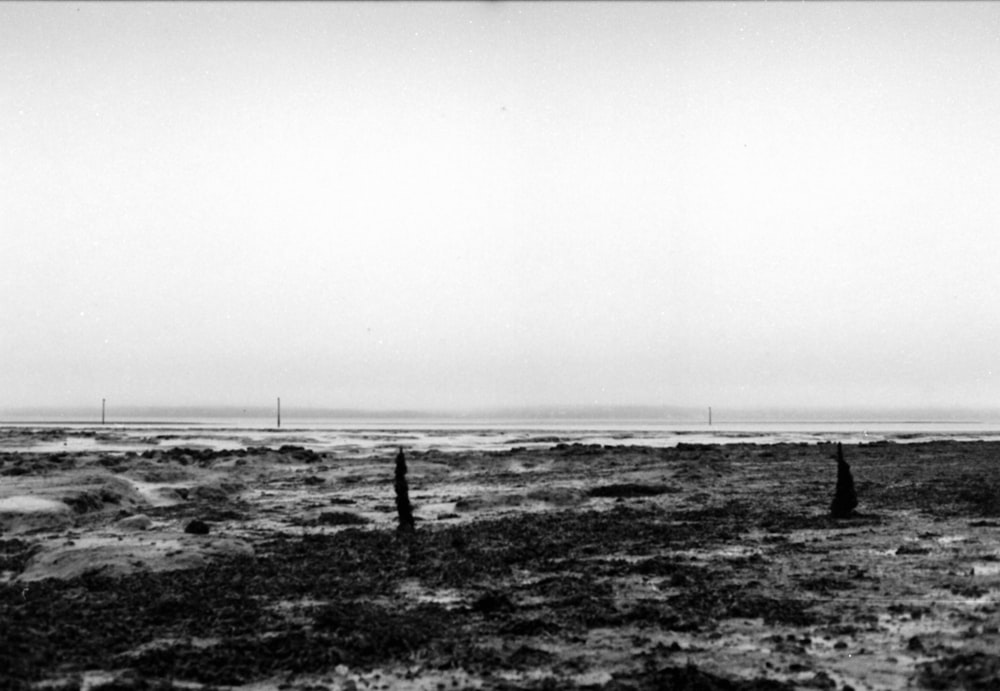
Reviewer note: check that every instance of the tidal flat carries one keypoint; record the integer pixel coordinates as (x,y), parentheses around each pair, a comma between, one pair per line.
(572,566)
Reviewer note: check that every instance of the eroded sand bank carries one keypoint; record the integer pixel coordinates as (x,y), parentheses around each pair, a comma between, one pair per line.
(561,567)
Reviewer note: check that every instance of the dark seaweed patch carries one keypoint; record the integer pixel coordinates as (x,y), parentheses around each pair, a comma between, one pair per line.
(973,671)
(731,601)
(333,518)
(98,622)
(630,489)
(14,554)
(690,678)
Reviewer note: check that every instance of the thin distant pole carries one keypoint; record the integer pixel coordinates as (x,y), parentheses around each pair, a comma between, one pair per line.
(102,411)
(279,411)
(709,416)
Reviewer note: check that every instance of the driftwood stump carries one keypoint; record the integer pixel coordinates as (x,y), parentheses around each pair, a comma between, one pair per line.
(845,499)
(403,507)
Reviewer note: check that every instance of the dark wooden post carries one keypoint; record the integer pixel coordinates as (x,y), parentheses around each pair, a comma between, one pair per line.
(403,507)
(845,499)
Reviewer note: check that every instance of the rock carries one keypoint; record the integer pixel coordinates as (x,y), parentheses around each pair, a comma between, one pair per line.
(197,527)
(299,453)
(137,522)
(845,499)
(493,601)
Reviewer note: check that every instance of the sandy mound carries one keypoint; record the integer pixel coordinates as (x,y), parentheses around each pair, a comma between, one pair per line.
(92,493)
(138,522)
(82,491)
(117,555)
(22,514)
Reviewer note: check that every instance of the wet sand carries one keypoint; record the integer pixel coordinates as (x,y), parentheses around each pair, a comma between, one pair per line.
(569,566)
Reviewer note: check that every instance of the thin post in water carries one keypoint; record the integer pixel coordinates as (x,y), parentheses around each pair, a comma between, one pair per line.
(102,411)
(709,416)
(279,411)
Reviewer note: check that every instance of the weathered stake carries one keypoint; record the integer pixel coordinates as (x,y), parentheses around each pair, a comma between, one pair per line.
(403,507)
(845,499)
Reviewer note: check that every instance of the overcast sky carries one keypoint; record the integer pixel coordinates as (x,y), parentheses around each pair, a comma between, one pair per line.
(447,205)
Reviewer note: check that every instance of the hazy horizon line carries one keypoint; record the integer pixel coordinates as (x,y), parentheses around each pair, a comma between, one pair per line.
(668,413)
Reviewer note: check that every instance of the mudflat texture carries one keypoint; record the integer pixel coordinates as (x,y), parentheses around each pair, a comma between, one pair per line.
(694,567)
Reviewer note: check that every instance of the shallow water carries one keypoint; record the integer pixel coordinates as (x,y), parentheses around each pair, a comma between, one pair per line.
(364,438)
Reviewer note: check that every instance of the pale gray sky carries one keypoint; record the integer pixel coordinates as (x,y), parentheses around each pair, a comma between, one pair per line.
(442,204)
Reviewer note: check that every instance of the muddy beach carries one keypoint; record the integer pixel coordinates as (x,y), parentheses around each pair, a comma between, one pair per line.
(568,566)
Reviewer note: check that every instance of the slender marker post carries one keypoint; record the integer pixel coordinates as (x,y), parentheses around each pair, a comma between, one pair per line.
(709,416)
(279,411)
(102,411)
